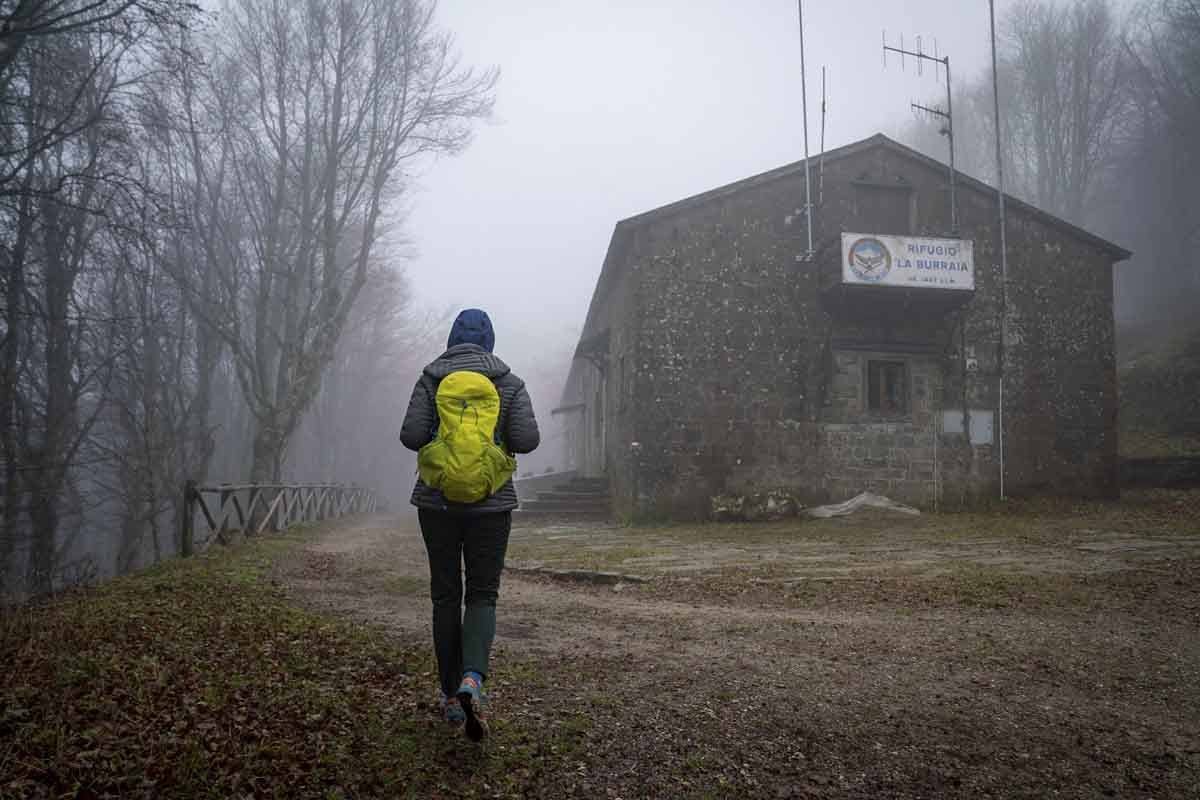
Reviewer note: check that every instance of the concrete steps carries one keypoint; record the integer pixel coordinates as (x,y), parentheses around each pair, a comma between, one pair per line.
(577,499)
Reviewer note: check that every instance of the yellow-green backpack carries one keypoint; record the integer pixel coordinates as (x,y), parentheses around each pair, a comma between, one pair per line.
(463,460)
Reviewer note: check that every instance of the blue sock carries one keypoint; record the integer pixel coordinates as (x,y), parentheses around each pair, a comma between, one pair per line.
(472,674)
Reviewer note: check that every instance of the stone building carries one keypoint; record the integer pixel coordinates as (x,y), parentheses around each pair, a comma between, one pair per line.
(720,361)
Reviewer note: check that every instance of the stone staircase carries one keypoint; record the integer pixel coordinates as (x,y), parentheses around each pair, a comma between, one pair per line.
(576,499)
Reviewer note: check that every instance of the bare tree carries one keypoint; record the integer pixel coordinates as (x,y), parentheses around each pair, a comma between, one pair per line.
(50,364)
(324,104)
(1154,193)
(1069,98)
(66,83)
(188,218)
(345,436)
(1064,81)
(1167,79)
(33,24)
(972,129)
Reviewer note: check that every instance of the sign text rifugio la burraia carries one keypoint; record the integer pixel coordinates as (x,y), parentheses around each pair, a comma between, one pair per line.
(910,261)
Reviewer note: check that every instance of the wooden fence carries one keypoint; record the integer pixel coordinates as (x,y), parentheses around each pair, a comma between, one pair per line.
(255,507)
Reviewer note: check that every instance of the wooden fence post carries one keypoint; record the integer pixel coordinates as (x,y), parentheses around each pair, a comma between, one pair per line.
(186,530)
(277,520)
(224,495)
(252,517)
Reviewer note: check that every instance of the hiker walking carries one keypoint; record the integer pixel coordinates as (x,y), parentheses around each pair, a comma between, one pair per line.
(468,414)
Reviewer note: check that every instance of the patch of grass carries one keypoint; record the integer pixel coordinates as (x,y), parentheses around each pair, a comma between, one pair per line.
(538,551)
(873,541)
(577,724)
(405,585)
(200,679)
(604,558)
(624,547)
(957,585)
(602,700)
(519,673)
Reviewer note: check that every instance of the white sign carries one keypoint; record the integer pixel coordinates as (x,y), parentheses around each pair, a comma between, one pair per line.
(982,424)
(912,261)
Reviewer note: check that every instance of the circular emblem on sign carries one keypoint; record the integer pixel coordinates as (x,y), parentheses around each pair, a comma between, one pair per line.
(870,260)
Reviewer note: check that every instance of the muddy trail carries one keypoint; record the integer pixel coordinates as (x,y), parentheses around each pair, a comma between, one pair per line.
(732,680)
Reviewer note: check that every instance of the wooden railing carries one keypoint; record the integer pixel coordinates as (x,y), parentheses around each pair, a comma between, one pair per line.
(255,507)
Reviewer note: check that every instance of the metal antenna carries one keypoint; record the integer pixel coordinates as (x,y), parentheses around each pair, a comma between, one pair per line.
(946,113)
(821,163)
(808,255)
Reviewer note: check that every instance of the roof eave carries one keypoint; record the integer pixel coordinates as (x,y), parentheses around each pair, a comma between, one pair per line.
(1116,251)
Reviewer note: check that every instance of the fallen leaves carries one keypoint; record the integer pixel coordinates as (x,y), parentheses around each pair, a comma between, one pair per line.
(201,679)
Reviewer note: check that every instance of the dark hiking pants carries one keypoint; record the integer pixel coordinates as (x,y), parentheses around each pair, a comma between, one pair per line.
(463,640)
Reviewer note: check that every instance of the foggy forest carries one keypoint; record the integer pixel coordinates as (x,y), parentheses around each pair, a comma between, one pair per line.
(206,225)
(318,316)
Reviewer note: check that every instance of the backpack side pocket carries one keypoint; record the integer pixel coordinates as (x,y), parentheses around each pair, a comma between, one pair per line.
(431,463)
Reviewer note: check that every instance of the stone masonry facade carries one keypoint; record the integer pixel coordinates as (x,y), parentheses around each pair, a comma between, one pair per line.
(718,362)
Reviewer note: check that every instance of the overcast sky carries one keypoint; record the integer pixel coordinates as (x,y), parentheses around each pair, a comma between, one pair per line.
(607,108)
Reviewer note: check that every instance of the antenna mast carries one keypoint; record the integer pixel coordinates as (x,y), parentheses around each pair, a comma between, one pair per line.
(936,111)
(821,163)
(808,256)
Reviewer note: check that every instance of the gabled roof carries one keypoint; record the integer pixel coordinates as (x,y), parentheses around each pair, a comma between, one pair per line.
(614,263)
(878,140)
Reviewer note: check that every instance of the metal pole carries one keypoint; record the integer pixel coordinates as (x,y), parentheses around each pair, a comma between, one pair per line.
(1003,243)
(937,421)
(950,136)
(804,112)
(947,115)
(821,167)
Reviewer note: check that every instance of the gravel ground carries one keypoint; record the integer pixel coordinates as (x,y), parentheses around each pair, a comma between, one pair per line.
(1042,651)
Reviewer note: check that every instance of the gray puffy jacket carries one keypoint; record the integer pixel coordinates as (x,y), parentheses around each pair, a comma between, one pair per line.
(517,428)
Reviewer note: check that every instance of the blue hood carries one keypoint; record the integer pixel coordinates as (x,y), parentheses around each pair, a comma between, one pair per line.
(472,327)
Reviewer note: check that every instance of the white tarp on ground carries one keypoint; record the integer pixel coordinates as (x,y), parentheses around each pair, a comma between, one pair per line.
(864,500)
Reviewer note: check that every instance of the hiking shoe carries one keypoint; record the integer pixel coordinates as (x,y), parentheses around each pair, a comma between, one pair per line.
(471,699)
(452,711)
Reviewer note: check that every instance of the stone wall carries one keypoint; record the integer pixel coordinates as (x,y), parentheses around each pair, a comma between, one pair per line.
(1061,366)
(729,350)
(740,376)
(895,457)
(601,383)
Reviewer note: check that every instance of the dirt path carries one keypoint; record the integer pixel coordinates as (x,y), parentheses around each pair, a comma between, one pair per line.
(719,681)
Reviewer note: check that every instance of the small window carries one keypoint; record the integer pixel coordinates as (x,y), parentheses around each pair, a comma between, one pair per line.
(887,387)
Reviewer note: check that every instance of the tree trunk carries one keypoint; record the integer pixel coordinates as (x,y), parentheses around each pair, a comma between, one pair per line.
(9,388)
(267,456)
(43,513)
(59,413)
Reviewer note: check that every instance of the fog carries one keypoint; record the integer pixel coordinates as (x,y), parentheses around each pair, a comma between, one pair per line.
(605,110)
(227,257)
